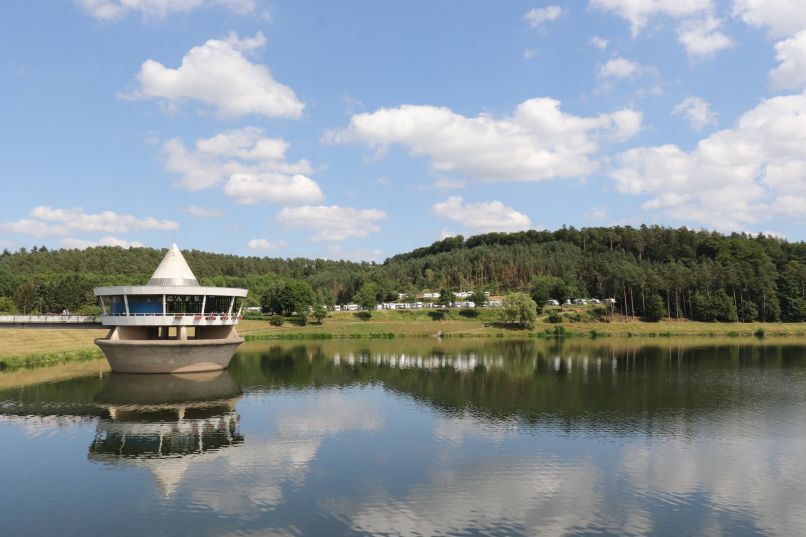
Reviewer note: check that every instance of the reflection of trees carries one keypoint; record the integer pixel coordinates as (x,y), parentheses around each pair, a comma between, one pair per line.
(534,380)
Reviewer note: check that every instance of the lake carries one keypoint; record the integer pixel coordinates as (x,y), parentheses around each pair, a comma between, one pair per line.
(417,437)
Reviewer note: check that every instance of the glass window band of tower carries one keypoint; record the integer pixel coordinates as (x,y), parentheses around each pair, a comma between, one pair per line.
(218,305)
(183,304)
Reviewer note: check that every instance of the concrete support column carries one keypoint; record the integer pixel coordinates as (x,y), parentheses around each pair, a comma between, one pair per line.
(182,333)
(126,303)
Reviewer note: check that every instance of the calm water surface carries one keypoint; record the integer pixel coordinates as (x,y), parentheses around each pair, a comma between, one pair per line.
(416,438)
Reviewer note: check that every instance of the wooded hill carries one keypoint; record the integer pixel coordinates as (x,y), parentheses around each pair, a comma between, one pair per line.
(697,274)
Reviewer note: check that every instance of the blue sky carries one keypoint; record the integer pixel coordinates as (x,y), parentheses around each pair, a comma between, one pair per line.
(363,129)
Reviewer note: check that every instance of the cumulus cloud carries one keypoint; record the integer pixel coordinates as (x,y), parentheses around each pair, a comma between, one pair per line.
(702,37)
(113,10)
(539,141)
(599,42)
(82,244)
(46,220)
(638,12)
(697,112)
(332,223)
(732,178)
(482,217)
(781,17)
(540,15)
(219,75)
(785,20)
(248,189)
(252,164)
(619,68)
(791,73)
(265,245)
(203,212)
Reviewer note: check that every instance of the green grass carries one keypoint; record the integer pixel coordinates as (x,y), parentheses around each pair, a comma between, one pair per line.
(47,359)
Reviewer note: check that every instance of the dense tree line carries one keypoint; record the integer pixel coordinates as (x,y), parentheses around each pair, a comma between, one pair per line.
(650,271)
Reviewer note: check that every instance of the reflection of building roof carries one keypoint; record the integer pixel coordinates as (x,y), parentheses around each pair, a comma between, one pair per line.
(173,271)
(166,448)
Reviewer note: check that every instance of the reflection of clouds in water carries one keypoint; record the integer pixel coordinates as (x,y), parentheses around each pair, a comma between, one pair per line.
(524,496)
(33,426)
(751,478)
(457,429)
(263,466)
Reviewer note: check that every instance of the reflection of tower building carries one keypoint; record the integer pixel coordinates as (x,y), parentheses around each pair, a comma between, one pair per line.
(167,423)
(172,324)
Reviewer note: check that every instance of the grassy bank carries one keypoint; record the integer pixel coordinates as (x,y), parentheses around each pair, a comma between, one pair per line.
(34,347)
(387,324)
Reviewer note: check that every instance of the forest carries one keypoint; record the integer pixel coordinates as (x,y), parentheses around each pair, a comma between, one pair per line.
(701,275)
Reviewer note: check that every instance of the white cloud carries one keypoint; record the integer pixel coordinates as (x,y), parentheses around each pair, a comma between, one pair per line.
(619,68)
(599,42)
(76,219)
(36,228)
(482,217)
(113,10)
(106,221)
(248,189)
(540,15)
(203,212)
(105,241)
(702,37)
(734,177)
(538,142)
(638,12)
(332,223)
(265,245)
(697,111)
(781,17)
(218,74)
(791,73)
(213,159)
(529,54)
(254,166)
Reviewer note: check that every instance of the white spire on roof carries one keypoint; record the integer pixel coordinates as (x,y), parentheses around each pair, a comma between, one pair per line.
(173,270)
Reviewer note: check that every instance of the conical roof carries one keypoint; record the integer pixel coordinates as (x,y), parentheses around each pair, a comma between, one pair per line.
(173,270)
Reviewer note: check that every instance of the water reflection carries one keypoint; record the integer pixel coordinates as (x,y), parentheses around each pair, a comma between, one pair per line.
(166,423)
(414,437)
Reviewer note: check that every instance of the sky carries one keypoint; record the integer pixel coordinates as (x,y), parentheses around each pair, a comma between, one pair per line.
(362,129)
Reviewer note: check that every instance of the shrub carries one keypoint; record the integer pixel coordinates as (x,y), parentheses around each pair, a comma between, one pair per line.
(655,309)
(555,317)
(520,308)
(276,320)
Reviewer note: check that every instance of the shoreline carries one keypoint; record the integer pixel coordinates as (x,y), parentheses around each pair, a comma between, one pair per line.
(58,346)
